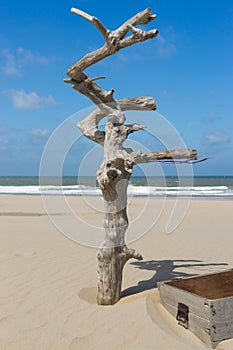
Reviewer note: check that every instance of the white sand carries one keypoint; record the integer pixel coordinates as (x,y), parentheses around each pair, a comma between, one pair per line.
(48,282)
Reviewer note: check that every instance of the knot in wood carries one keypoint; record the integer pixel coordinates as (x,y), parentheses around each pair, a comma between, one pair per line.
(129,166)
(113,174)
(112,170)
(112,40)
(99,135)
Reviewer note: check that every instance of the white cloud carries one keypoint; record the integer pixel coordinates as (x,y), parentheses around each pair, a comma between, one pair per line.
(165,43)
(4,145)
(10,67)
(3,128)
(166,93)
(14,62)
(38,132)
(216,137)
(212,117)
(165,47)
(29,56)
(28,101)
(38,136)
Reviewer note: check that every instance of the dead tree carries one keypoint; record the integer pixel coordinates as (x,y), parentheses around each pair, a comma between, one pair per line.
(117,166)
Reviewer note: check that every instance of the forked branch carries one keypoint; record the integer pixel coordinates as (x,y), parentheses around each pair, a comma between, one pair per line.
(114,40)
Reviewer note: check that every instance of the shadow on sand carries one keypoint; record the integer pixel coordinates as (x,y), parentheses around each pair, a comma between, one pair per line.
(165,270)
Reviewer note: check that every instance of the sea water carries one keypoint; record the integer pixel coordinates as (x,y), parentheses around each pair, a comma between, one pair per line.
(200,186)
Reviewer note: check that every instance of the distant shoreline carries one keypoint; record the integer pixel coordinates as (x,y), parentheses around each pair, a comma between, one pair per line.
(139,186)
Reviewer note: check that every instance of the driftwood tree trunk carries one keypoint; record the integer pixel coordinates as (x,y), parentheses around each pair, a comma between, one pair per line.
(117,166)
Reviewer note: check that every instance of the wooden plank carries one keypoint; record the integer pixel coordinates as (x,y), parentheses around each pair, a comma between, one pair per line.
(198,326)
(199,309)
(222,309)
(222,333)
(211,286)
(222,318)
(197,305)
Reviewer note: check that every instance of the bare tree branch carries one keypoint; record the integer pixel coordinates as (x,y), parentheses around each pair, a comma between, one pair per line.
(146,157)
(89,125)
(99,25)
(114,40)
(143,17)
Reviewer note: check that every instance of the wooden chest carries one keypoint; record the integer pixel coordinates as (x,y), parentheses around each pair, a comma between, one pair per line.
(203,304)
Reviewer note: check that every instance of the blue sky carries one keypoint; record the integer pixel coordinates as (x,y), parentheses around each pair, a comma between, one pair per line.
(187,69)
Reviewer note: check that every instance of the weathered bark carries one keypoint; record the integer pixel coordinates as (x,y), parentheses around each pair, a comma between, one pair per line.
(113,178)
(89,126)
(117,166)
(113,254)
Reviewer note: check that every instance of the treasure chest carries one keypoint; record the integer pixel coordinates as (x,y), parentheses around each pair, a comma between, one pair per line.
(202,304)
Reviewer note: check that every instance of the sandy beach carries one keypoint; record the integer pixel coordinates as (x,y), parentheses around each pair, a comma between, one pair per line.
(48,281)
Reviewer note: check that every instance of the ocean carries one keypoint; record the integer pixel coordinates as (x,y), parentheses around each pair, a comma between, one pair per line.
(200,186)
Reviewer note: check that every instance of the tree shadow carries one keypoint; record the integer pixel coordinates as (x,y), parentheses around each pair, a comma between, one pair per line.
(164,270)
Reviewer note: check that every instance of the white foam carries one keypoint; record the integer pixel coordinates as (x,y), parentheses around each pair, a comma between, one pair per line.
(78,190)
